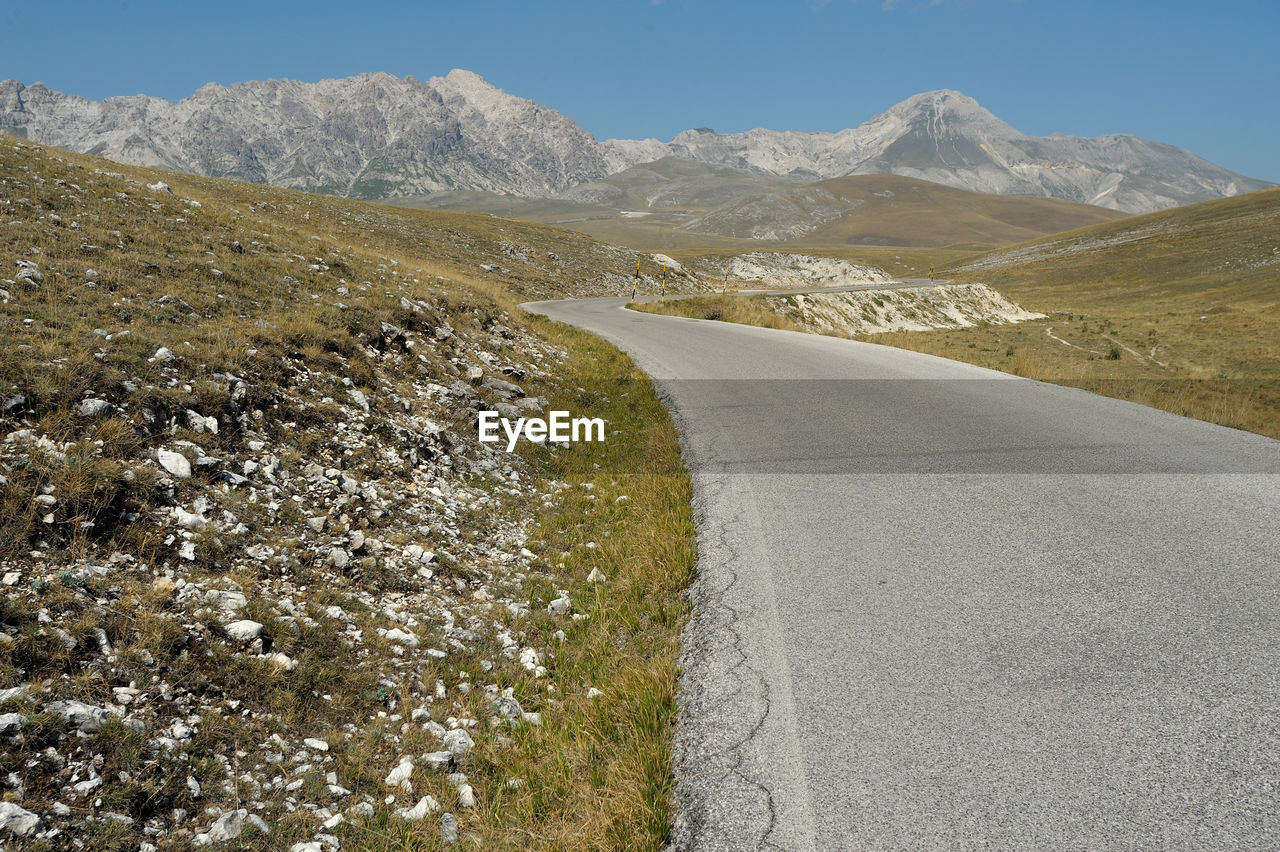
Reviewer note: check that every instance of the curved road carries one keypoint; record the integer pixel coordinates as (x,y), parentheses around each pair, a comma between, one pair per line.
(940,607)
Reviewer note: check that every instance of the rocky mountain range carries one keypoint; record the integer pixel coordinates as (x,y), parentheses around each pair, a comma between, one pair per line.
(949,138)
(381,136)
(371,136)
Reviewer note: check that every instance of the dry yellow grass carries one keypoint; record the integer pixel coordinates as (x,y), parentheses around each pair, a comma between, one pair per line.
(900,211)
(1179,310)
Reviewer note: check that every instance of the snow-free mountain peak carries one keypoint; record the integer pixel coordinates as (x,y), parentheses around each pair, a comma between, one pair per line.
(381,136)
(947,110)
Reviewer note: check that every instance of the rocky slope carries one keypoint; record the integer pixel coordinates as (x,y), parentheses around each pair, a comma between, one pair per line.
(906,309)
(379,136)
(262,585)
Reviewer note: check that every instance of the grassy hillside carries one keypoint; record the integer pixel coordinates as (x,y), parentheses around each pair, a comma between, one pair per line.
(255,561)
(1178,309)
(1225,249)
(677,205)
(901,211)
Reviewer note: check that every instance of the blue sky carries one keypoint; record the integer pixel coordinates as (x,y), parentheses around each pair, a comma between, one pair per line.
(1201,75)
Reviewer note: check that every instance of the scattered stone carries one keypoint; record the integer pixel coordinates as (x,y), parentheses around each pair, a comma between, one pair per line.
(81,716)
(508,708)
(466,796)
(315,744)
(176,464)
(283,661)
(235,480)
(199,423)
(11,723)
(448,829)
(560,606)
(458,741)
(392,333)
(426,805)
(438,760)
(227,600)
(508,389)
(94,407)
(228,826)
(19,821)
(596,576)
(363,809)
(87,786)
(188,520)
(243,630)
(400,775)
(401,637)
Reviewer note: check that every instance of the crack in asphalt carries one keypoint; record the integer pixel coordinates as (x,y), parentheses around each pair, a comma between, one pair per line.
(715,631)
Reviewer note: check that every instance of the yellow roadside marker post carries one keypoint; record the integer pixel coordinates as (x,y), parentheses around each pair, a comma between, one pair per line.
(662,299)
(635,285)
(931,272)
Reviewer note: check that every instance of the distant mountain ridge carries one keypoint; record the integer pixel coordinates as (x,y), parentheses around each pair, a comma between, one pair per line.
(370,136)
(949,138)
(381,136)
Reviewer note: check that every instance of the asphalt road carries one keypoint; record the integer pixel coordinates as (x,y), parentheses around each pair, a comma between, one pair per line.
(940,607)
